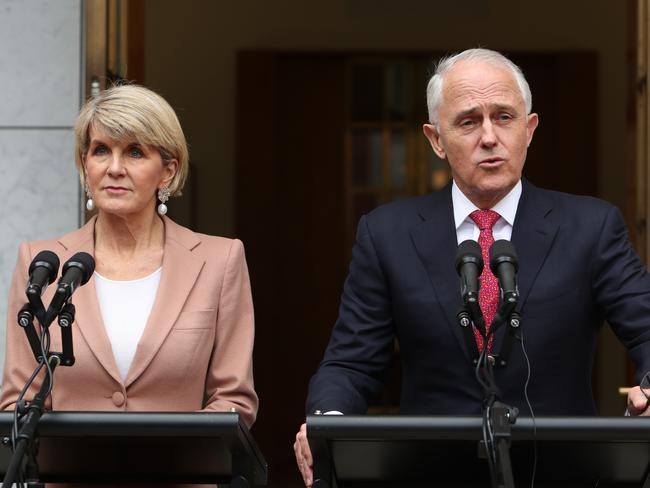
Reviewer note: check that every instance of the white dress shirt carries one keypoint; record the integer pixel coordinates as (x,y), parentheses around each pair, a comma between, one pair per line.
(466,228)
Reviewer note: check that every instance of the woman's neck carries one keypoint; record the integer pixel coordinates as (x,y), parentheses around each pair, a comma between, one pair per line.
(128,248)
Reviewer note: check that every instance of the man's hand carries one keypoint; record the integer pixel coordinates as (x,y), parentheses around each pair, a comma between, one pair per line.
(303,456)
(637,402)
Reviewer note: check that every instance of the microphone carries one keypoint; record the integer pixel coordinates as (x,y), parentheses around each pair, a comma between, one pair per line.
(76,272)
(42,272)
(469,266)
(504,265)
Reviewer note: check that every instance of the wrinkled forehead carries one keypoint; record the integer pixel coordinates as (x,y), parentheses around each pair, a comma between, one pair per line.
(480,84)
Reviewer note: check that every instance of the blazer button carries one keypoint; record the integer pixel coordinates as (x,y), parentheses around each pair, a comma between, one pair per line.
(118,398)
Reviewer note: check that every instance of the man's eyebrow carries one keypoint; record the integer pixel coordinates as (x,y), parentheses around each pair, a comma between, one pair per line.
(466,113)
(501,107)
(504,107)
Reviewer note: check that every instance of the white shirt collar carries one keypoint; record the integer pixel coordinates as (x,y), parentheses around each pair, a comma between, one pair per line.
(506,207)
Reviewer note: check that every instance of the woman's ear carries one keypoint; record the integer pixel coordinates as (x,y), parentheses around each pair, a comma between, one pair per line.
(170,171)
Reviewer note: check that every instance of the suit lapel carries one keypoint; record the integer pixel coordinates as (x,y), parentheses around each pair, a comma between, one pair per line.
(89,318)
(180,271)
(534,231)
(435,241)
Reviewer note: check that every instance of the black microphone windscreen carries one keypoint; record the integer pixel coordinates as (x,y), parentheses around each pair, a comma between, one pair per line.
(84,262)
(502,251)
(469,251)
(46,259)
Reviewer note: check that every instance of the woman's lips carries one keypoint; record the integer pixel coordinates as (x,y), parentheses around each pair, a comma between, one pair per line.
(115,190)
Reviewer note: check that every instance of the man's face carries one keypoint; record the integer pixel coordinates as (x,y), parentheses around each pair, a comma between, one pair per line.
(483,130)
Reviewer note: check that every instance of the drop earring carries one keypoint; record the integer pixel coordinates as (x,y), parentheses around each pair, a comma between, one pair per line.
(163,196)
(90,205)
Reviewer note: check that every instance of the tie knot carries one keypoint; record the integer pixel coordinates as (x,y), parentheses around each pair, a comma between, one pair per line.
(485,219)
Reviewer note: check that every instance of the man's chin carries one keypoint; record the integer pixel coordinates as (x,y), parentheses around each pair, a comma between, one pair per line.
(490,192)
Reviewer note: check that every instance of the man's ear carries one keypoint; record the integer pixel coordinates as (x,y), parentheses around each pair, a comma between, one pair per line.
(532,123)
(432,134)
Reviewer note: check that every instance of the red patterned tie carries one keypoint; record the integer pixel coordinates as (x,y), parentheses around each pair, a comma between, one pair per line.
(489,294)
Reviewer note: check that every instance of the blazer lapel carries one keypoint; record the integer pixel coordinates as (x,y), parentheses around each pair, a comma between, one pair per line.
(436,244)
(180,271)
(532,235)
(88,318)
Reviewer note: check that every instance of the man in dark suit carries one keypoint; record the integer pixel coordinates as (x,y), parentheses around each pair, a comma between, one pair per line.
(576,270)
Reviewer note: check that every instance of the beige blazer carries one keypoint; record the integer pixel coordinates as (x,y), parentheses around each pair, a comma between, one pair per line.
(195,352)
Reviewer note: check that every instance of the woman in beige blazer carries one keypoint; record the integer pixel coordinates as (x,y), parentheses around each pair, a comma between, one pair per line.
(192,349)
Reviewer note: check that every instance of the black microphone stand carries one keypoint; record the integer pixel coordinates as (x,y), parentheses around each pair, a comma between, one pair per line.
(27,439)
(497,416)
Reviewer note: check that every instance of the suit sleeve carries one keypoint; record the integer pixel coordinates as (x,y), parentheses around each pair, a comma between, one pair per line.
(360,349)
(622,289)
(229,382)
(19,359)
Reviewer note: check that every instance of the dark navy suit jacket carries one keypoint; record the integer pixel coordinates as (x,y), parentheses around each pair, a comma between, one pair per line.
(576,269)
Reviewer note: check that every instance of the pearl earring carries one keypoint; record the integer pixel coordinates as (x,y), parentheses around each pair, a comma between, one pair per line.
(163,196)
(90,205)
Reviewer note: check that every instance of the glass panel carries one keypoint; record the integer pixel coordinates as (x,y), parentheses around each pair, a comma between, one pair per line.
(367,93)
(362,203)
(367,158)
(397,158)
(398,91)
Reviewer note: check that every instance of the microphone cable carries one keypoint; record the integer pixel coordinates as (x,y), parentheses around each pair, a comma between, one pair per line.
(44,342)
(530,408)
(486,428)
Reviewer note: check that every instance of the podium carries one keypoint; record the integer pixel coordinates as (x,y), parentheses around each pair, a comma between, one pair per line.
(93,447)
(396,451)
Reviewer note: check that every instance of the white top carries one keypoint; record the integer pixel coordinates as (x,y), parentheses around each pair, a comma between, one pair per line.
(466,228)
(125,308)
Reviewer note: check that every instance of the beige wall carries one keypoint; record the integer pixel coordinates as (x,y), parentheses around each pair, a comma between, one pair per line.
(191,51)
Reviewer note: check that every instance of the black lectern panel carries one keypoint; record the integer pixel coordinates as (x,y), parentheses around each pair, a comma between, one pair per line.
(393,451)
(143,447)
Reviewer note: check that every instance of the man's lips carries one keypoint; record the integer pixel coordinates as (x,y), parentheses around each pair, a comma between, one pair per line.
(491,161)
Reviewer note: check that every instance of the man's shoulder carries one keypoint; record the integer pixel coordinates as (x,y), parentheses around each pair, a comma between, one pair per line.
(412,209)
(567,203)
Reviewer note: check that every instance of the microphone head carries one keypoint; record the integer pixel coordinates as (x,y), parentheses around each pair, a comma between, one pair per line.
(502,251)
(82,261)
(469,252)
(47,260)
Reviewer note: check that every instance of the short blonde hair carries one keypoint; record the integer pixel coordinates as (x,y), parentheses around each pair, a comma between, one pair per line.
(134,112)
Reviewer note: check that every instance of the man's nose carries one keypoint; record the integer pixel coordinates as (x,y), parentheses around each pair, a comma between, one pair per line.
(488,135)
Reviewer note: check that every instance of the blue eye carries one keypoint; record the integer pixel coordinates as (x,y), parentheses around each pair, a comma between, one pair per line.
(99,150)
(135,152)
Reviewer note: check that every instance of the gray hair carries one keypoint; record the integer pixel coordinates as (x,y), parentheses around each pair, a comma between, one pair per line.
(434,88)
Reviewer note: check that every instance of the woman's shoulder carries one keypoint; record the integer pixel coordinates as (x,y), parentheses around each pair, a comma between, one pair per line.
(198,241)
(56,244)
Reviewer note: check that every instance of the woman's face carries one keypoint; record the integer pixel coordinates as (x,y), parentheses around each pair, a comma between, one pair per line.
(124,176)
